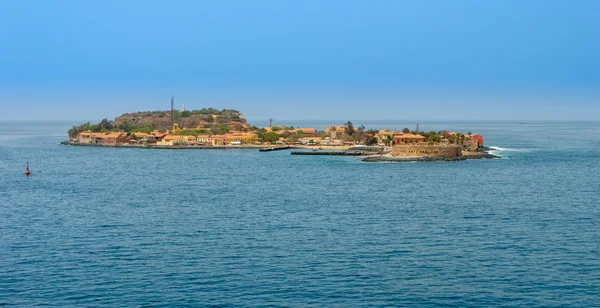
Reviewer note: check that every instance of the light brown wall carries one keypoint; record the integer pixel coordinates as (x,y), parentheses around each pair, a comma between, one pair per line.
(426,150)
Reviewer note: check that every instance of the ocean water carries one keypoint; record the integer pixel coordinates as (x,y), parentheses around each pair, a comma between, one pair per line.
(135,227)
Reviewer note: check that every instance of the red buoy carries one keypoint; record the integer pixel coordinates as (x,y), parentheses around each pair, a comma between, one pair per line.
(27,170)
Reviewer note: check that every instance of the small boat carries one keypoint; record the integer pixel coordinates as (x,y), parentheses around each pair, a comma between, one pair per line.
(27,170)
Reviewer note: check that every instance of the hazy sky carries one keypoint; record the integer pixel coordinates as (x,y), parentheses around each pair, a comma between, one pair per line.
(421,60)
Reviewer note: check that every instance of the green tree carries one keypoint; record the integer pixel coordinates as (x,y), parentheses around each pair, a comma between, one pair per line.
(369,137)
(73,132)
(388,139)
(186,114)
(220,129)
(105,124)
(188,133)
(300,132)
(406,130)
(271,137)
(349,129)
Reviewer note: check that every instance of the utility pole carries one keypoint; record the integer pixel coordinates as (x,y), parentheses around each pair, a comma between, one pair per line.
(172,106)
(417,127)
(270,122)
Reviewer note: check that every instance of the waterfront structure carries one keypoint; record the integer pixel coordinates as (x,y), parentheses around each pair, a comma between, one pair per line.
(85,137)
(114,138)
(412,150)
(111,138)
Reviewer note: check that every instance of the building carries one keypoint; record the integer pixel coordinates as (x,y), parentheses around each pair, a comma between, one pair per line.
(170,140)
(385,136)
(211,140)
(103,138)
(479,139)
(240,137)
(86,137)
(176,128)
(115,138)
(189,139)
(335,131)
(408,138)
(310,140)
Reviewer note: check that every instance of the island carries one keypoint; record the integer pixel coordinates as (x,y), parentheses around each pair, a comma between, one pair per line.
(211,128)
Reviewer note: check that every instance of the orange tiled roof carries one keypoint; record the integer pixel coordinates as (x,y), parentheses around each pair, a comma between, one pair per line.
(411,136)
(172,137)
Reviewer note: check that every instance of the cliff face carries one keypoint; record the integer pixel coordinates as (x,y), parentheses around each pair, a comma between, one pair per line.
(205,118)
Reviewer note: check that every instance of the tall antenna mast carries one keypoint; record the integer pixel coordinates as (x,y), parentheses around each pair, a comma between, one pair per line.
(172,106)
(270,122)
(417,127)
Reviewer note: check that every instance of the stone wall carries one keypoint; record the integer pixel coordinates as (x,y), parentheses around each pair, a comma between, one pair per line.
(404,150)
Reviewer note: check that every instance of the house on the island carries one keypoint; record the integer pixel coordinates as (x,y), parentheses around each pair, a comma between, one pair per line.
(170,140)
(189,139)
(141,137)
(86,136)
(473,142)
(137,137)
(385,136)
(450,134)
(107,138)
(116,137)
(155,137)
(211,140)
(479,139)
(409,138)
(310,140)
(335,131)
(239,137)
(319,141)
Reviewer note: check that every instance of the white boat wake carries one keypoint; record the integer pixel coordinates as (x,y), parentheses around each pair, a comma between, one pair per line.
(499,149)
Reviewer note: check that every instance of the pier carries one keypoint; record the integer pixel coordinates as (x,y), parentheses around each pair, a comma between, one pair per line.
(275,149)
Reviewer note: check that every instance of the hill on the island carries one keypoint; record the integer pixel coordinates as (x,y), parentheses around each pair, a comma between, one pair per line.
(205,118)
(208,119)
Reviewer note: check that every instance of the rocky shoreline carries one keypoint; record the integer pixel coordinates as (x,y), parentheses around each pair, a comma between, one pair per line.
(483,153)
(333,153)
(382,158)
(167,147)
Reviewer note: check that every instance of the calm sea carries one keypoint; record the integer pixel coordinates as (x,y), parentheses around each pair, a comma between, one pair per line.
(135,227)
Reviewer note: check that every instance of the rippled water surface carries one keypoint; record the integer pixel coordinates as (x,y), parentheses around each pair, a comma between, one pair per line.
(134,227)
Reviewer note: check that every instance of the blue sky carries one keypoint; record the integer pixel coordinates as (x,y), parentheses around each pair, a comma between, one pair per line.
(410,60)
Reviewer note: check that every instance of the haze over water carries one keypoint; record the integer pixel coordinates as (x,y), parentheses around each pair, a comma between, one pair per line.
(137,227)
